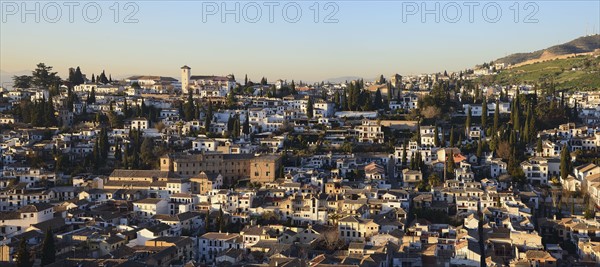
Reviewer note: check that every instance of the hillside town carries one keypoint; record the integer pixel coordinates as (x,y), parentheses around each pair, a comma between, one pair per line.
(440,169)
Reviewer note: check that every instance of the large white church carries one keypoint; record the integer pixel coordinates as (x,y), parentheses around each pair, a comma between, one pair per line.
(206,85)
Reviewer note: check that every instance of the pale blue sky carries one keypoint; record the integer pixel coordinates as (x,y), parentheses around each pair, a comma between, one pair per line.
(370,38)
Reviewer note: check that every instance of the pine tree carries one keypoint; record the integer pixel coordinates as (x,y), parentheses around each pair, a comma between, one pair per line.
(48,249)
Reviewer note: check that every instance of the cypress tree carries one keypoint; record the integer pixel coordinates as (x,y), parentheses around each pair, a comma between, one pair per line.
(208,117)
(309,108)
(48,249)
(452,137)
(378,101)
(516,114)
(189,108)
(479,149)
(565,162)
(436,136)
(468,121)
(246,127)
(450,166)
(539,145)
(78,77)
(404,155)
(418,134)
(118,152)
(496,118)
(126,157)
(236,127)
(23,256)
(531,124)
(484,114)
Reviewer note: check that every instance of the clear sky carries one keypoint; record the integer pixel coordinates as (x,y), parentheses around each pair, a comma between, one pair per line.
(368,39)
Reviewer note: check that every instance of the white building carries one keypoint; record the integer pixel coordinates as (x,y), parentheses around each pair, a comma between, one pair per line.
(369,132)
(536,170)
(146,208)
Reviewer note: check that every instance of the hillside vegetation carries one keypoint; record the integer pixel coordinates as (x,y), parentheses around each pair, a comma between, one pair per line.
(579,72)
(580,45)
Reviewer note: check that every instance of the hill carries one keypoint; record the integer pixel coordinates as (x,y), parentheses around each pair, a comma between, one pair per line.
(575,72)
(586,44)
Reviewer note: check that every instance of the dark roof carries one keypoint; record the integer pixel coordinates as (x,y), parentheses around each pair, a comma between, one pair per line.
(158,228)
(35,207)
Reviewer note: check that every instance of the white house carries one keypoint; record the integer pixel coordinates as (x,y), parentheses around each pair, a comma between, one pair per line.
(148,207)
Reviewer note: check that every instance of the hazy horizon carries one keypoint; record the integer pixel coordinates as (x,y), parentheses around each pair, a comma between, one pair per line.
(367,40)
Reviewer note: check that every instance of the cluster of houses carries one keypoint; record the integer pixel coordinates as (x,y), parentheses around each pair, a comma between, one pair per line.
(217,199)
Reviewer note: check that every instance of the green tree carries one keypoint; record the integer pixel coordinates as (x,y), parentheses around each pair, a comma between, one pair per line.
(22,82)
(468,120)
(189,109)
(404,155)
(310,108)
(102,78)
(231,100)
(208,117)
(484,113)
(246,127)
(48,249)
(452,137)
(436,136)
(434,180)
(496,118)
(92,97)
(147,152)
(23,256)
(450,166)
(565,162)
(236,126)
(44,77)
(378,101)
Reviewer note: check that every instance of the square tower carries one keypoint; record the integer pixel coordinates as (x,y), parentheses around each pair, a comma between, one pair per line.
(185,78)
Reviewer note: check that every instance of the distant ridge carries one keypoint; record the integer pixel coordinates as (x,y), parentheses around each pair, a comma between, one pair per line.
(581,45)
(345,78)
